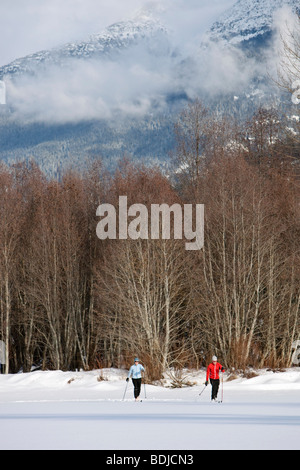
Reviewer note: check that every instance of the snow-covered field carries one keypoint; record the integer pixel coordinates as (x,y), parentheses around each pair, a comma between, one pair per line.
(67,410)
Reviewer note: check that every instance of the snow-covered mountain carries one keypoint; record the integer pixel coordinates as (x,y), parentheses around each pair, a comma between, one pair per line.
(248,20)
(60,101)
(245,21)
(144,28)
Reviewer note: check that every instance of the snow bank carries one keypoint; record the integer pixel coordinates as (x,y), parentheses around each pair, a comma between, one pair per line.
(268,380)
(109,383)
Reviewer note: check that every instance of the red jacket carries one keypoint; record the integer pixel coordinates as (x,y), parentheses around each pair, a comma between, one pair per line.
(213,371)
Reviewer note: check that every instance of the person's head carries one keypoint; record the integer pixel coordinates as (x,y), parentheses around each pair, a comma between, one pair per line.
(214,358)
(136,360)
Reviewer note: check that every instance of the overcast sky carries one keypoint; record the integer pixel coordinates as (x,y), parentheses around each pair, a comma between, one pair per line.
(27,26)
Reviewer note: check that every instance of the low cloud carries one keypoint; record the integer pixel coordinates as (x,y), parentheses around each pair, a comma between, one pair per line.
(140,77)
(92,89)
(284,61)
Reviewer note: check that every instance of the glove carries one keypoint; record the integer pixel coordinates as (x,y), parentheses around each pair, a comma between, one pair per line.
(206,383)
(127,380)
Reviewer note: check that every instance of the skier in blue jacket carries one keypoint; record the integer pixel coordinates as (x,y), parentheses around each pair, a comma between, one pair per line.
(136,372)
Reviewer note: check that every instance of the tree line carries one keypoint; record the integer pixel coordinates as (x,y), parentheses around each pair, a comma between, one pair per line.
(69,300)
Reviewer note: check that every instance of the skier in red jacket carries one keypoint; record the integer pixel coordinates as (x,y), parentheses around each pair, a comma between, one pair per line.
(212,374)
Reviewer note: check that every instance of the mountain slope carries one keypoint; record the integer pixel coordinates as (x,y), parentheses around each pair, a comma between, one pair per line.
(248,20)
(117,37)
(119,91)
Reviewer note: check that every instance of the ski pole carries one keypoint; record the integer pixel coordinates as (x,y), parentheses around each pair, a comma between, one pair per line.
(125,391)
(222,388)
(202,391)
(145,385)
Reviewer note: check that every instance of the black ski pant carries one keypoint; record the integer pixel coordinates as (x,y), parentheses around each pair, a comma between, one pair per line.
(137,387)
(215,383)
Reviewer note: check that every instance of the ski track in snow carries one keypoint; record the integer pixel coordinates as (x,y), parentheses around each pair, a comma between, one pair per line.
(56,410)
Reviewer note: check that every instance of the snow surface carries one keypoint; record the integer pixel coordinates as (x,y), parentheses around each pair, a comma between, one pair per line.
(118,36)
(245,20)
(68,411)
(248,19)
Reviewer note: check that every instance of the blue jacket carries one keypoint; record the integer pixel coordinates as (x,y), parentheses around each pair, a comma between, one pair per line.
(135,371)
